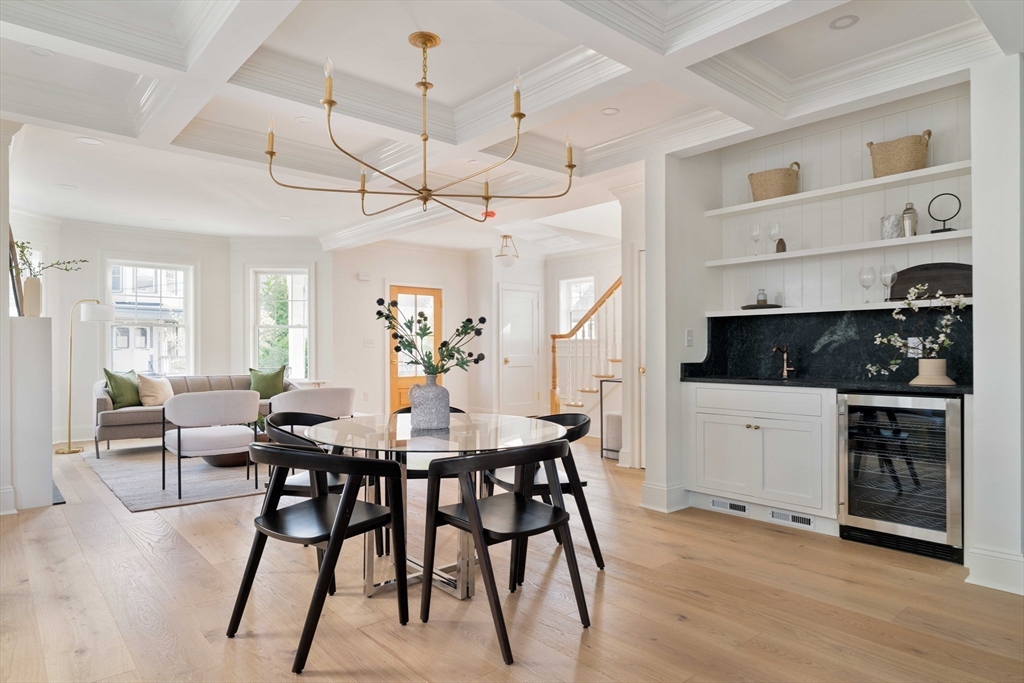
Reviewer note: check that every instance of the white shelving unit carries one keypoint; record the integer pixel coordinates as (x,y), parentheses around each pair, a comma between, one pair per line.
(841,248)
(786,310)
(953,170)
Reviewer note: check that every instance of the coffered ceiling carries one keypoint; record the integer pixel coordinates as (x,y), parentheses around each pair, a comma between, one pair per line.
(181,92)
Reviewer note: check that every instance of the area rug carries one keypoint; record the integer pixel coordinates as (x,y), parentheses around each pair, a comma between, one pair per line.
(133,475)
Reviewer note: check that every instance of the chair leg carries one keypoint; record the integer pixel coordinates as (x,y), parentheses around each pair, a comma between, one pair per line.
(163,466)
(487,574)
(316,605)
(574,574)
(179,475)
(378,533)
(258,543)
(546,497)
(108,444)
(521,567)
(513,566)
(320,565)
(429,544)
(576,490)
(96,442)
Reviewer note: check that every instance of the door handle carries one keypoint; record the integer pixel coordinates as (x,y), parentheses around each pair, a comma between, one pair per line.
(506,361)
(642,370)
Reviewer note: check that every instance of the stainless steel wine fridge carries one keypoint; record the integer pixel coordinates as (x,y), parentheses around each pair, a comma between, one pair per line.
(900,475)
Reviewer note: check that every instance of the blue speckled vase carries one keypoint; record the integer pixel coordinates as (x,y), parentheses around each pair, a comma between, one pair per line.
(431,405)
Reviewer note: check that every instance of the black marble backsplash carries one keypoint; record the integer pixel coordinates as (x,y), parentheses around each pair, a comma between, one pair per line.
(834,345)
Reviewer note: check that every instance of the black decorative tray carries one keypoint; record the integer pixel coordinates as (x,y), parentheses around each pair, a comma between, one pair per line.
(752,307)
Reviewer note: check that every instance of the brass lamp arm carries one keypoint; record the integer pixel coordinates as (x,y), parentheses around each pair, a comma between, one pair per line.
(508,196)
(515,148)
(328,189)
(351,156)
(393,206)
(461,213)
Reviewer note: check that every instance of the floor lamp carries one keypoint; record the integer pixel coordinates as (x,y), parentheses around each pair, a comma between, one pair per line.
(92,311)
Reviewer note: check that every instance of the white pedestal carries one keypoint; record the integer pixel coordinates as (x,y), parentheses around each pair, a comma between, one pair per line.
(32,412)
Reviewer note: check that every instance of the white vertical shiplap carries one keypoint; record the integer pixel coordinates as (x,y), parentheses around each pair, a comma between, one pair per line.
(832,158)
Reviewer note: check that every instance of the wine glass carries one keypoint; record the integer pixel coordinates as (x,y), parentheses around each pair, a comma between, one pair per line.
(867,278)
(755,235)
(775,232)
(888,277)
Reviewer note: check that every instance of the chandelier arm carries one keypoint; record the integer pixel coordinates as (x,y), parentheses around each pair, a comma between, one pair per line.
(377,213)
(515,148)
(461,213)
(373,168)
(507,196)
(312,189)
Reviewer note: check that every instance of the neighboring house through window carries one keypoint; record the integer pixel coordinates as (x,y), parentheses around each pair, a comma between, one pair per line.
(280,315)
(152,317)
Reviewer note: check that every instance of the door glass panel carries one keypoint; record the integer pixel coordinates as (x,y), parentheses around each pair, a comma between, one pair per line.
(897,466)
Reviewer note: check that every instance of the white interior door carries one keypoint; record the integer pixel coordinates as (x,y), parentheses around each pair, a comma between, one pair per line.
(519,384)
(642,355)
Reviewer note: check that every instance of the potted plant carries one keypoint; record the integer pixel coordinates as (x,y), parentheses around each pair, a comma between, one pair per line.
(931,368)
(32,285)
(430,402)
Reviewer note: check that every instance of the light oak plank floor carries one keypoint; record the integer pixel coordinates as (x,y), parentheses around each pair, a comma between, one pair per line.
(92,592)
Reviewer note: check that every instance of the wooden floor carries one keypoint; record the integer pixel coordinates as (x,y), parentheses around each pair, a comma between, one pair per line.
(92,592)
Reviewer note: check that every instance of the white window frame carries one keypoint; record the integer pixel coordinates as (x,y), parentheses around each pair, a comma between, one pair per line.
(564,285)
(191,305)
(252,306)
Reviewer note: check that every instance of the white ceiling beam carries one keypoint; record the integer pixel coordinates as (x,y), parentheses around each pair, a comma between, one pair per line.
(1004,19)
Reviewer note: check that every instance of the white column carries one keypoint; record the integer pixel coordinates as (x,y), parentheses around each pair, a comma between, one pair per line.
(7,131)
(994,516)
(631,203)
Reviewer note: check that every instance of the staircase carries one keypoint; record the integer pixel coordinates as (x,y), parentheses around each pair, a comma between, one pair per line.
(591,351)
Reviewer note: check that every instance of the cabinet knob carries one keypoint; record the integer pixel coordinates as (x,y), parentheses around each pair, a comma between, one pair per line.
(749,426)
(506,361)
(757,426)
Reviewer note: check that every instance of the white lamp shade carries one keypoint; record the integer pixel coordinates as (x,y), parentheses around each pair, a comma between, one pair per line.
(505,260)
(97,313)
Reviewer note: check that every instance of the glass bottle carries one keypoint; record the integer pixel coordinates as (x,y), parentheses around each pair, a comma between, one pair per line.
(762,298)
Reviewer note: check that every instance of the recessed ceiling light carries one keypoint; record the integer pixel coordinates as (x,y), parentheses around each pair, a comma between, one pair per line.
(284,218)
(845,21)
(68,187)
(610,111)
(303,119)
(473,162)
(40,51)
(89,141)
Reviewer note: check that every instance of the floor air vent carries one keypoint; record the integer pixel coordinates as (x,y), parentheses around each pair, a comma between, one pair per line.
(792,519)
(729,506)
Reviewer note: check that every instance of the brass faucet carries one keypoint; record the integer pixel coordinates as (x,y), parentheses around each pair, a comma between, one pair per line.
(786,367)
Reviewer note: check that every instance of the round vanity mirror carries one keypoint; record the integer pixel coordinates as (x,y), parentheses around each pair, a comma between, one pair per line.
(942,208)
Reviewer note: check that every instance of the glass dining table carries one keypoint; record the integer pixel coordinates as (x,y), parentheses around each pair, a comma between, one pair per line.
(393,437)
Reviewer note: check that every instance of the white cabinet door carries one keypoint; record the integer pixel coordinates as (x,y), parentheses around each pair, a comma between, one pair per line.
(790,462)
(726,454)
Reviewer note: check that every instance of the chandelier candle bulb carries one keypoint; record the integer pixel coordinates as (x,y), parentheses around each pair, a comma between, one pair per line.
(568,151)
(270,136)
(516,104)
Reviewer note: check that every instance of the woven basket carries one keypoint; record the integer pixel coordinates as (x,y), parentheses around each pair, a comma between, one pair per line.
(775,182)
(909,153)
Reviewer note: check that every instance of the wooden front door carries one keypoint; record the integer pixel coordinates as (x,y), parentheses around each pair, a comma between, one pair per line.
(412,301)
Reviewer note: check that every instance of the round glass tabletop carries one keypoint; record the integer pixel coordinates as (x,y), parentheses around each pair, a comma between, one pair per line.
(468,433)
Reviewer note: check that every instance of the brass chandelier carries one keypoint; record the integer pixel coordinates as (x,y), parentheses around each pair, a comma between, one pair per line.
(423,194)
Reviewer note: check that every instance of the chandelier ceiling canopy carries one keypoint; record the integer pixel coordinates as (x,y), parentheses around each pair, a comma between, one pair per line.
(424,194)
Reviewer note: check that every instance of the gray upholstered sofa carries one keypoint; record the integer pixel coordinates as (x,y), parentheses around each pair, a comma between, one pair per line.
(144,422)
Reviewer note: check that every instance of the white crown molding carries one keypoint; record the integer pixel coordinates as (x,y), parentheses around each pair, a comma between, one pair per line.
(557,80)
(28,97)
(627,192)
(291,79)
(218,138)
(7,131)
(197,22)
(145,99)
(933,56)
(704,126)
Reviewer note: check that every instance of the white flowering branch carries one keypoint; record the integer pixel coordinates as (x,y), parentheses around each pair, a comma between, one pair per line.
(931,345)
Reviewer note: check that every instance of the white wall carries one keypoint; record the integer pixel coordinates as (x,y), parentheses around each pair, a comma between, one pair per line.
(7,131)
(208,256)
(837,155)
(356,363)
(631,201)
(995,520)
(605,266)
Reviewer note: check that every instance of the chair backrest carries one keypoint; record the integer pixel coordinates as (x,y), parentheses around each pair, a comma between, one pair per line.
(408,409)
(210,408)
(577,425)
(513,457)
(335,401)
(311,458)
(280,427)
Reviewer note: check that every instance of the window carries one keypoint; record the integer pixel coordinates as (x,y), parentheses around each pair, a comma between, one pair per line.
(152,309)
(577,296)
(281,321)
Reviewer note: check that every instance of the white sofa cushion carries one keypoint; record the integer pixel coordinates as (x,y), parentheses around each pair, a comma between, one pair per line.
(153,391)
(204,441)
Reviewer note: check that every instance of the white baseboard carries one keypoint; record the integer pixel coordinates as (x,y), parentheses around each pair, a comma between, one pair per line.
(663,498)
(7,501)
(995,569)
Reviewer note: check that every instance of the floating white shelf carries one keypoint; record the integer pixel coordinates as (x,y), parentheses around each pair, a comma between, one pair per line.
(840,248)
(880,305)
(953,170)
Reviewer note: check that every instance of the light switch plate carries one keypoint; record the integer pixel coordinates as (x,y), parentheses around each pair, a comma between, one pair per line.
(689,337)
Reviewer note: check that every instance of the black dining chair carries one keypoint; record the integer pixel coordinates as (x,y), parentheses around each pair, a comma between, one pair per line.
(280,428)
(325,520)
(513,516)
(577,425)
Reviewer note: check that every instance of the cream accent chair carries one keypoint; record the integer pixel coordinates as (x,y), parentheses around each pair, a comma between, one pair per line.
(329,401)
(214,422)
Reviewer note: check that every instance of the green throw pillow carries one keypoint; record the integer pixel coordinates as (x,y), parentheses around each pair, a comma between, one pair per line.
(123,388)
(269,384)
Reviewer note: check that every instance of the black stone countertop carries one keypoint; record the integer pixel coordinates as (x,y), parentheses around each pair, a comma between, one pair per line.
(843,386)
